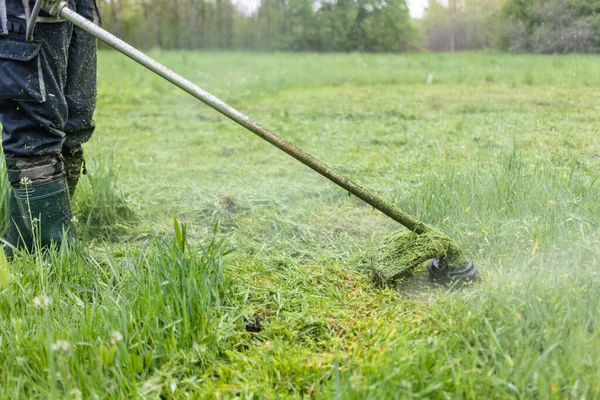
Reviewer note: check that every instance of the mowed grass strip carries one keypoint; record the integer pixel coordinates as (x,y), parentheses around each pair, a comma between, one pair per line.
(500,152)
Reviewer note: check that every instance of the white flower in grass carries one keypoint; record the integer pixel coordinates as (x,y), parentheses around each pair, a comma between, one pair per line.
(61,345)
(42,301)
(116,337)
(75,394)
(25,181)
(406,384)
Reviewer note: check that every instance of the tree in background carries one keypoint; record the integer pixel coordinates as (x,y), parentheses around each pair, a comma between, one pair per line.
(385,28)
(458,25)
(340,25)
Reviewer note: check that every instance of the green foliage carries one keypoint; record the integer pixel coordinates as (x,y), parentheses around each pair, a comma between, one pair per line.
(373,25)
(552,26)
(300,25)
(523,10)
(539,26)
(461,25)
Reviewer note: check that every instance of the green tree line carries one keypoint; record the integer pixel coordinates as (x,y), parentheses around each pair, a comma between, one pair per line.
(541,26)
(298,25)
(538,26)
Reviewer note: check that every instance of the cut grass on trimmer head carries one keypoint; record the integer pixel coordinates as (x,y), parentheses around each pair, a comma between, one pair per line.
(403,251)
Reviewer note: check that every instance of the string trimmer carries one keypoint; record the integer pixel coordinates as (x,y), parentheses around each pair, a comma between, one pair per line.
(399,253)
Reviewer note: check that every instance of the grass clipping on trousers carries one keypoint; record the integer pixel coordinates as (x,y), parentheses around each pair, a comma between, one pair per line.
(405,250)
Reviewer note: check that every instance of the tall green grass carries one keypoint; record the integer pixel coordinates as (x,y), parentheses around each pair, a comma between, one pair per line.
(514,210)
(108,326)
(528,329)
(104,210)
(528,335)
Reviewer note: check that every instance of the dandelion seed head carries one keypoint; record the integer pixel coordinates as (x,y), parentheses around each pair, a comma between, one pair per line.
(116,337)
(75,394)
(42,301)
(61,345)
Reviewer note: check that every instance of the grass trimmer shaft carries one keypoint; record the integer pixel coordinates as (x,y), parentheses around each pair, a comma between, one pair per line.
(449,252)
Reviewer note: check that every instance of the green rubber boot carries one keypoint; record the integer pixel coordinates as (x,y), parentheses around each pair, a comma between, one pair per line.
(19,234)
(47,211)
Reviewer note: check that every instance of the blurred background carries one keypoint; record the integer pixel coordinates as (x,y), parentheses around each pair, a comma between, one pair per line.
(538,26)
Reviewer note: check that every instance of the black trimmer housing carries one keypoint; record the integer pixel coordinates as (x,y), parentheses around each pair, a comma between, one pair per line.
(442,274)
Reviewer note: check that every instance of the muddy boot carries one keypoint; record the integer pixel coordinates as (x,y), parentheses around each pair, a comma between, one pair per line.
(41,195)
(49,210)
(74,164)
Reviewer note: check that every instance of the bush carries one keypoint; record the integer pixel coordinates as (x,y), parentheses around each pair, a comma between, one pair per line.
(549,27)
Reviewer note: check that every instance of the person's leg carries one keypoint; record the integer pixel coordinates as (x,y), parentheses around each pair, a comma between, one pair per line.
(33,113)
(80,93)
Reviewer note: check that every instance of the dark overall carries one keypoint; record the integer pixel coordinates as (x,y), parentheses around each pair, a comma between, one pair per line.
(47,101)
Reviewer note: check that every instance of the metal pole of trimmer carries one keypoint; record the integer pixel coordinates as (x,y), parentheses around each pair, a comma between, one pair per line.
(59,9)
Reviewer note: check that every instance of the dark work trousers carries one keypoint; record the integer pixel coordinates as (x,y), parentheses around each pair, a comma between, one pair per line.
(48,87)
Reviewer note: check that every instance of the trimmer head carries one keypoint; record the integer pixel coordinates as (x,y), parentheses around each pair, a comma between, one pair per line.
(402,252)
(442,274)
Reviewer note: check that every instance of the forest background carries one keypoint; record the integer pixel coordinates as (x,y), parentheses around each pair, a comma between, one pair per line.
(538,26)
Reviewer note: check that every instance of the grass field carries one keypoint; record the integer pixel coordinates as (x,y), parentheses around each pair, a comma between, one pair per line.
(501,152)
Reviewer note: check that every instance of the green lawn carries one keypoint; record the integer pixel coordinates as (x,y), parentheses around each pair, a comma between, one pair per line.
(501,152)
